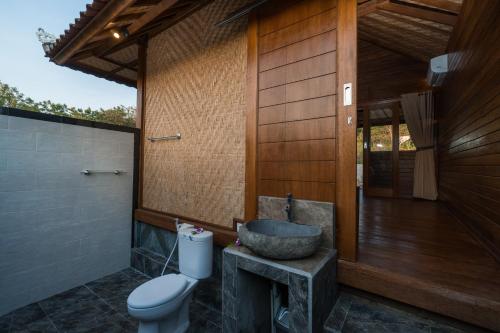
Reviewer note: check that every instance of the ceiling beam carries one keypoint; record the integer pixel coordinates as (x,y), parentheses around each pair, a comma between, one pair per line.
(139,23)
(120,64)
(153,28)
(102,74)
(445,5)
(369,7)
(408,20)
(150,15)
(98,22)
(418,12)
(417,38)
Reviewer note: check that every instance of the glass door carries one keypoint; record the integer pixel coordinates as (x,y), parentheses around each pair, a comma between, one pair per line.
(380,150)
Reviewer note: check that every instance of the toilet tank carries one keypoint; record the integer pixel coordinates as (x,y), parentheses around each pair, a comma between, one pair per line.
(195,253)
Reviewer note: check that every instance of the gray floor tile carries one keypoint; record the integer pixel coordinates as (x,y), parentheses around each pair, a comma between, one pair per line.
(43,325)
(27,315)
(5,323)
(356,312)
(98,306)
(68,299)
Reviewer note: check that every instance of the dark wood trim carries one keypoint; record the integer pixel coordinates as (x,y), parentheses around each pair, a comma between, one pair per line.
(251,119)
(369,7)
(223,236)
(418,12)
(419,293)
(141,108)
(366,141)
(444,5)
(395,150)
(347,226)
(102,74)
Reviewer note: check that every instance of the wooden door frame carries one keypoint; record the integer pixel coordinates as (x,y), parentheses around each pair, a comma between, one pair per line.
(393,192)
(346,206)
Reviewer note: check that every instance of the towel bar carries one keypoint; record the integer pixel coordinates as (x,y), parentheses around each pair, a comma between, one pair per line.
(89,172)
(166,138)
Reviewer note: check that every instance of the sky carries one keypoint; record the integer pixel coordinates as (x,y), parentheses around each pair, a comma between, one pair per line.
(24,66)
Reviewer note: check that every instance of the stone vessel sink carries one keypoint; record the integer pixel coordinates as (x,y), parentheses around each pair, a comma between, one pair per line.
(280,239)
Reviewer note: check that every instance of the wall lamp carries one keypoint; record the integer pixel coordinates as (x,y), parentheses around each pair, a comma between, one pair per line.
(119,33)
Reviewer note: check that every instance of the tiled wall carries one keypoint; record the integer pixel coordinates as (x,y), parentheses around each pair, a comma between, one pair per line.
(59,228)
(153,245)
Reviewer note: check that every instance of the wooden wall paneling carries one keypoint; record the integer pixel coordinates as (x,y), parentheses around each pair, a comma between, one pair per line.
(297,104)
(469,123)
(384,74)
(346,207)
(281,17)
(298,31)
(319,171)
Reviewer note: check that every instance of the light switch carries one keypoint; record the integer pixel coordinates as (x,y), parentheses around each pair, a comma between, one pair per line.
(347,94)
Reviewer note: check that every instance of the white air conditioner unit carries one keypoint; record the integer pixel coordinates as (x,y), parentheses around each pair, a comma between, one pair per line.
(438,68)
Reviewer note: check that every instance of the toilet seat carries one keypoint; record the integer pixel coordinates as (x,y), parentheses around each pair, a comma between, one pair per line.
(157,291)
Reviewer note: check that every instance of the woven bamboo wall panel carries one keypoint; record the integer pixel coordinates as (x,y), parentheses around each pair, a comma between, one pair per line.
(196,85)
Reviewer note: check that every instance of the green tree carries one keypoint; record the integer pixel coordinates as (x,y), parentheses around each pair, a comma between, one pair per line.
(119,115)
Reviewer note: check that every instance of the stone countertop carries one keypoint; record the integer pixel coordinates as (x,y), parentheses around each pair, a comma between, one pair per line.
(307,266)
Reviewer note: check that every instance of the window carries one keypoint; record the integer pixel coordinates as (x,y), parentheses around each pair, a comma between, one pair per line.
(381,138)
(405,142)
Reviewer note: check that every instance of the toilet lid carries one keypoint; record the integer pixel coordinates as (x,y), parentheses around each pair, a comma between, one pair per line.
(157,291)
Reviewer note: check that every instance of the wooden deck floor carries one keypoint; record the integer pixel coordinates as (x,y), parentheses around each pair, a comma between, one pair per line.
(417,252)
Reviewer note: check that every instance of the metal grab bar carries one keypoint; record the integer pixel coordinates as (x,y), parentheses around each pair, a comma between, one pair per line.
(166,138)
(87,172)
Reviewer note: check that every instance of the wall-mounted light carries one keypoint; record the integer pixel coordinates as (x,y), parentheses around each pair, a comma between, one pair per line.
(119,33)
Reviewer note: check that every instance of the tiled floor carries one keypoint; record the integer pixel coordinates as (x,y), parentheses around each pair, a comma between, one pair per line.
(357,312)
(98,306)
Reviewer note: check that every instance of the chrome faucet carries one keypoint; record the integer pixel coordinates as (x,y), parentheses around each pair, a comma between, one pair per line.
(288,207)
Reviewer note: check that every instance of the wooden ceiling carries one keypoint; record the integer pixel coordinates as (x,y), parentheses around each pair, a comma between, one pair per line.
(89,46)
(419,29)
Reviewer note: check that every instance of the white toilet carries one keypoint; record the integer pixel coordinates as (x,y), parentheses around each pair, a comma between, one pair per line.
(162,304)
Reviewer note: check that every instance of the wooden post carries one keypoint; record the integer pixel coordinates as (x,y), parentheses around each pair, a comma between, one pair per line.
(141,108)
(347,224)
(251,120)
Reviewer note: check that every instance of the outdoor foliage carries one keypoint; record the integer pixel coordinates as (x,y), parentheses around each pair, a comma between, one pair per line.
(381,140)
(119,115)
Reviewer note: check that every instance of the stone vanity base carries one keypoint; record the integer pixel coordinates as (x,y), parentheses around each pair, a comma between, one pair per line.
(247,281)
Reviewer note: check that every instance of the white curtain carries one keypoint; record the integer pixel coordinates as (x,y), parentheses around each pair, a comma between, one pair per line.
(418,110)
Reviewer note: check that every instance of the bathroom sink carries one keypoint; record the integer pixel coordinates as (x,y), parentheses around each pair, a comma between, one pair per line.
(280,239)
